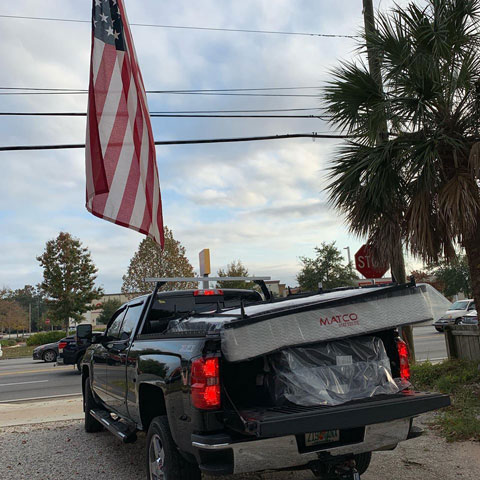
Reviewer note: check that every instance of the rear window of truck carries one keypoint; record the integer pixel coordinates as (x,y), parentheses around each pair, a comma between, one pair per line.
(169,307)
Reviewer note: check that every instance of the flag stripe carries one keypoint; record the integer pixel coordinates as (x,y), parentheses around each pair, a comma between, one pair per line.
(122,176)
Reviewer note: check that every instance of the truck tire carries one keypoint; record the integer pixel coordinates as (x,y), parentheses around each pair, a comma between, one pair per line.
(363,462)
(89,403)
(164,462)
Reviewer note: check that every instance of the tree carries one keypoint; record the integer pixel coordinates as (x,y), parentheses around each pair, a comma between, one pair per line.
(12,316)
(420,185)
(31,300)
(109,307)
(234,269)
(454,276)
(327,267)
(68,279)
(426,276)
(151,261)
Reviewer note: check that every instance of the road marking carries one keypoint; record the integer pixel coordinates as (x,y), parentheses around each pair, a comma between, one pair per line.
(31,399)
(22,383)
(51,370)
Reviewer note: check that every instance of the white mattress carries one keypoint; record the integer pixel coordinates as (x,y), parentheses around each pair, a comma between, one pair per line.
(317,318)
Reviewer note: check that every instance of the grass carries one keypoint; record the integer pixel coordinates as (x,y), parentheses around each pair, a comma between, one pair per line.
(461,380)
(17,352)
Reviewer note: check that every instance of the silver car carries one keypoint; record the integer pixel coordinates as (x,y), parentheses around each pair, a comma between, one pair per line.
(470,318)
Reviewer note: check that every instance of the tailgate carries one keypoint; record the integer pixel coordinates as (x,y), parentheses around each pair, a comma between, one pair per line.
(292,419)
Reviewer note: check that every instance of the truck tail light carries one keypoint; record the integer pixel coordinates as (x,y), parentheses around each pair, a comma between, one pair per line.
(61,346)
(403,357)
(206,383)
(201,293)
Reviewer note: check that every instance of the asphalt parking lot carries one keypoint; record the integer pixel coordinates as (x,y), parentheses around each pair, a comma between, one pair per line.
(57,450)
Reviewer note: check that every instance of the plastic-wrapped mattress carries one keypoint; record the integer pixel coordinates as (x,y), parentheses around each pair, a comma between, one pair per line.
(270,327)
(331,373)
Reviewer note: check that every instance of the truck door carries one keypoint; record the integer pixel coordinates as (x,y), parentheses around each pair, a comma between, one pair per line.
(101,352)
(117,359)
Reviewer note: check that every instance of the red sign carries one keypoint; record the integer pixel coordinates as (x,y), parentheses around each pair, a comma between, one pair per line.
(47,322)
(365,265)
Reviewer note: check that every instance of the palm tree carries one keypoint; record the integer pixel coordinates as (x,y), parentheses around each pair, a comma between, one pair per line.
(420,186)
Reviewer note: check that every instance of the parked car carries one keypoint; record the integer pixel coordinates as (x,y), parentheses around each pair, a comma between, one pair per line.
(215,389)
(454,314)
(49,351)
(470,318)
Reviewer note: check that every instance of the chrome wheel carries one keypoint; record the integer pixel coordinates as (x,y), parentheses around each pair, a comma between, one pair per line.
(49,356)
(156,456)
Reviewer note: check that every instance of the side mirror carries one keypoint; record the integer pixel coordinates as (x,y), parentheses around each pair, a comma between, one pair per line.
(84,332)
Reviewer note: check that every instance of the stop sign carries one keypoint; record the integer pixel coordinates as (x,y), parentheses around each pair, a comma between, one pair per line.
(365,265)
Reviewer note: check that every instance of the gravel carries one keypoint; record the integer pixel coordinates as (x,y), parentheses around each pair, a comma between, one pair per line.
(51,451)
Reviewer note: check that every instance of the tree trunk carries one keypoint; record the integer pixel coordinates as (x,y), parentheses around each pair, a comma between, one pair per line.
(472,249)
(398,271)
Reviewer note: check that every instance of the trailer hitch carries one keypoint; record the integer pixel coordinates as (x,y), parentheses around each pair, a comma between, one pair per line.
(342,471)
(346,471)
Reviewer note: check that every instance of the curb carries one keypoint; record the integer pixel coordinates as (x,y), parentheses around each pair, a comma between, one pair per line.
(42,399)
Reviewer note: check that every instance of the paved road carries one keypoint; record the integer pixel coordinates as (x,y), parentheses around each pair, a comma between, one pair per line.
(26,378)
(429,344)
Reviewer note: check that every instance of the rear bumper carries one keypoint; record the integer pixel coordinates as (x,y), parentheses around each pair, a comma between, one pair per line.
(383,423)
(284,452)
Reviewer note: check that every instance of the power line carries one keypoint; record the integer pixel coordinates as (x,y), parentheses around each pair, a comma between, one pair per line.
(171,92)
(182,142)
(189,27)
(156,115)
(194,90)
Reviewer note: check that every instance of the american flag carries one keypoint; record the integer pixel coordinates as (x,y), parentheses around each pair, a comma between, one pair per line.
(121,168)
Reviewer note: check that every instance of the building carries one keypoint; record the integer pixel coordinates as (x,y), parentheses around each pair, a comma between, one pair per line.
(92,315)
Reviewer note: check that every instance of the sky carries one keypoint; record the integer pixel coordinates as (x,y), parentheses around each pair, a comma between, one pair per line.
(263,203)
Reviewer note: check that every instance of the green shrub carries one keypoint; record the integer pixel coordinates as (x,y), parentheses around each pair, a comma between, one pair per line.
(461,380)
(45,337)
(9,342)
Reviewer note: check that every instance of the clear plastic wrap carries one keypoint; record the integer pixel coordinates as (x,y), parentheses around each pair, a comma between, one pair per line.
(332,373)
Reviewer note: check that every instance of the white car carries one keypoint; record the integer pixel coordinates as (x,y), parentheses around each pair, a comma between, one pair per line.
(1,353)
(454,314)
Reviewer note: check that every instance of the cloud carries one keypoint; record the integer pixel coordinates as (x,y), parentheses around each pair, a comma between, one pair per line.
(261,202)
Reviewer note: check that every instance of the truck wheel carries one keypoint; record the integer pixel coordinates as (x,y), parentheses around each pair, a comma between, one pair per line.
(163,460)
(89,403)
(363,462)
(49,356)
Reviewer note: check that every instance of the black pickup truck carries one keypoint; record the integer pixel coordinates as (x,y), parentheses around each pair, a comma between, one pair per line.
(211,402)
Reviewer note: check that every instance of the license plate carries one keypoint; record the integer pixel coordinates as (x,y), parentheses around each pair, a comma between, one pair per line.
(317,438)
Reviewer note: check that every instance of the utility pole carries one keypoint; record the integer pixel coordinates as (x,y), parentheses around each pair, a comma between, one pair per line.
(397,267)
(30,318)
(348,256)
